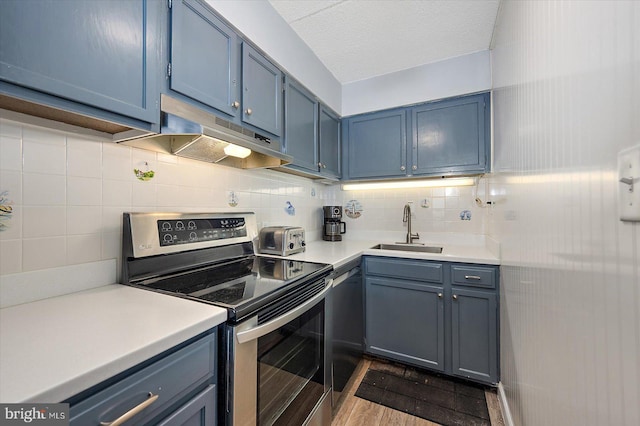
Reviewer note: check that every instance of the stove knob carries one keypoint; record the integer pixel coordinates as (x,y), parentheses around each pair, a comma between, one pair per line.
(291,246)
(302,243)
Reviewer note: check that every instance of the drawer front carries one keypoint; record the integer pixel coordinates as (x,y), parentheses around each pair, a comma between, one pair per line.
(169,378)
(473,276)
(403,268)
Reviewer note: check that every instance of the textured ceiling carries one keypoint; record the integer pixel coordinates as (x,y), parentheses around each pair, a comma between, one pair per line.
(360,39)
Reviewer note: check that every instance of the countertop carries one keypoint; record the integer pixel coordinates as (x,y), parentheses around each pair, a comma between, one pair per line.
(339,253)
(54,348)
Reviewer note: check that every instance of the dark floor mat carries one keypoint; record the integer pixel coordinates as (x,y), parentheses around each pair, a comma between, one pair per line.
(426,395)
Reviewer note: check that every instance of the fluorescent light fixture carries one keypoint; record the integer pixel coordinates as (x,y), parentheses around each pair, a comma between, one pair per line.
(237,151)
(422,183)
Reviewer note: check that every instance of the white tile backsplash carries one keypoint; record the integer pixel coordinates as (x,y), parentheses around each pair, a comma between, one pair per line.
(84,158)
(43,253)
(11,256)
(11,181)
(11,129)
(44,221)
(84,248)
(10,153)
(43,189)
(84,191)
(116,192)
(116,162)
(75,190)
(40,157)
(84,220)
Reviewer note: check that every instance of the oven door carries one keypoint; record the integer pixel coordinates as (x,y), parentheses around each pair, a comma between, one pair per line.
(278,371)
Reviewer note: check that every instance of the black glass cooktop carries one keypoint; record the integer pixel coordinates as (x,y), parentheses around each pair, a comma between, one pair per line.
(243,285)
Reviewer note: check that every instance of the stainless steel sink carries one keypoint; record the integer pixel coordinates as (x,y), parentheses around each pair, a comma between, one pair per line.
(409,247)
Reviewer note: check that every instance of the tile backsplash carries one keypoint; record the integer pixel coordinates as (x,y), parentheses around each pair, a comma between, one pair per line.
(67,194)
(450,210)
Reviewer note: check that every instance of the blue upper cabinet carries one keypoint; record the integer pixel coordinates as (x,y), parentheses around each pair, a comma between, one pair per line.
(301,126)
(204,57)
(376,145)
(449,137)
(212,67)
(97,54)
(312,133)
(261,91)
(329,162)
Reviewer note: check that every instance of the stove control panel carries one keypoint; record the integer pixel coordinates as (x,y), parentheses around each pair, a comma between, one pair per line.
(182,231)
(151,234)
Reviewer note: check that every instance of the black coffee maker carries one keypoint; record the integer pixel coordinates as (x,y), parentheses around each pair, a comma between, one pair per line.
(333,227)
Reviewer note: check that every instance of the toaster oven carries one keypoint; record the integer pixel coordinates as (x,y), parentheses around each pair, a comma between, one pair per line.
(281,240)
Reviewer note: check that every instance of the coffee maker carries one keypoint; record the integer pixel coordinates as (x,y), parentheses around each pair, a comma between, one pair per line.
(333,227)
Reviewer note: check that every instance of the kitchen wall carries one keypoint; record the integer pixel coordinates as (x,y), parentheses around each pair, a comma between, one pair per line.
(447,78)
(67,193)
(261,24)
(566,100)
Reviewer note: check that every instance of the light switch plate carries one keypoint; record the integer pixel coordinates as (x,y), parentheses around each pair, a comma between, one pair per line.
(629,184)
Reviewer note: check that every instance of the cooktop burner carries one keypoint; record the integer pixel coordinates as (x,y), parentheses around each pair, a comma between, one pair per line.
(211,258)
(236,282)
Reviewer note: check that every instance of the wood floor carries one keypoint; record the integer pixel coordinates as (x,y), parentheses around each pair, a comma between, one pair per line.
(354,411)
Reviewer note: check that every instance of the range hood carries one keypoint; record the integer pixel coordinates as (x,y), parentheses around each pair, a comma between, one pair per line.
(187,131)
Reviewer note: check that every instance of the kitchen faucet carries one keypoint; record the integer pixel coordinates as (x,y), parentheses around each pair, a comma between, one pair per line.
(407,218)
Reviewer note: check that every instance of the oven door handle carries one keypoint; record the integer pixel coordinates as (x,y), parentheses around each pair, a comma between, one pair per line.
(266,328)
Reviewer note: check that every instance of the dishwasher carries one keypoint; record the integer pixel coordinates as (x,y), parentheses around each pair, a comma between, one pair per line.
(348,325)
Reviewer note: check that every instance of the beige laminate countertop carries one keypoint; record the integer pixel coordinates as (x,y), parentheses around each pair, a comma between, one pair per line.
(54,348)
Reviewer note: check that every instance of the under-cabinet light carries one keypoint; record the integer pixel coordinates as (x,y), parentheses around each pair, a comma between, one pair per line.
(237,151)
(422,183)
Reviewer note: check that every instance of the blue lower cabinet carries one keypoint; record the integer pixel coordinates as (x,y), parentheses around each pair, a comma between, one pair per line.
(176,389)
(415,313)
(405,321)
(474,334)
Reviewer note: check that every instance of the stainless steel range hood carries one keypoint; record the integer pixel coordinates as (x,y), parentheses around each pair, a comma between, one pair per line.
(187,131)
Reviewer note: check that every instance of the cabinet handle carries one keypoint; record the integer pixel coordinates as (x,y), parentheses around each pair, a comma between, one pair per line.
(324,166)
(440,295)
(455,297)
(248,111)
(403,168)
(414,167)
(135,410)
(472,277)
(235,105)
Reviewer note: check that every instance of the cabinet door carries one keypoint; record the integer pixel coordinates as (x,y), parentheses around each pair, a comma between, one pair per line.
(449,137)
(103,54)
(262,91)
(204,56)
(405,321)
(199,411)
(301,126)
(329,143)
(376,145)
(474,330)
